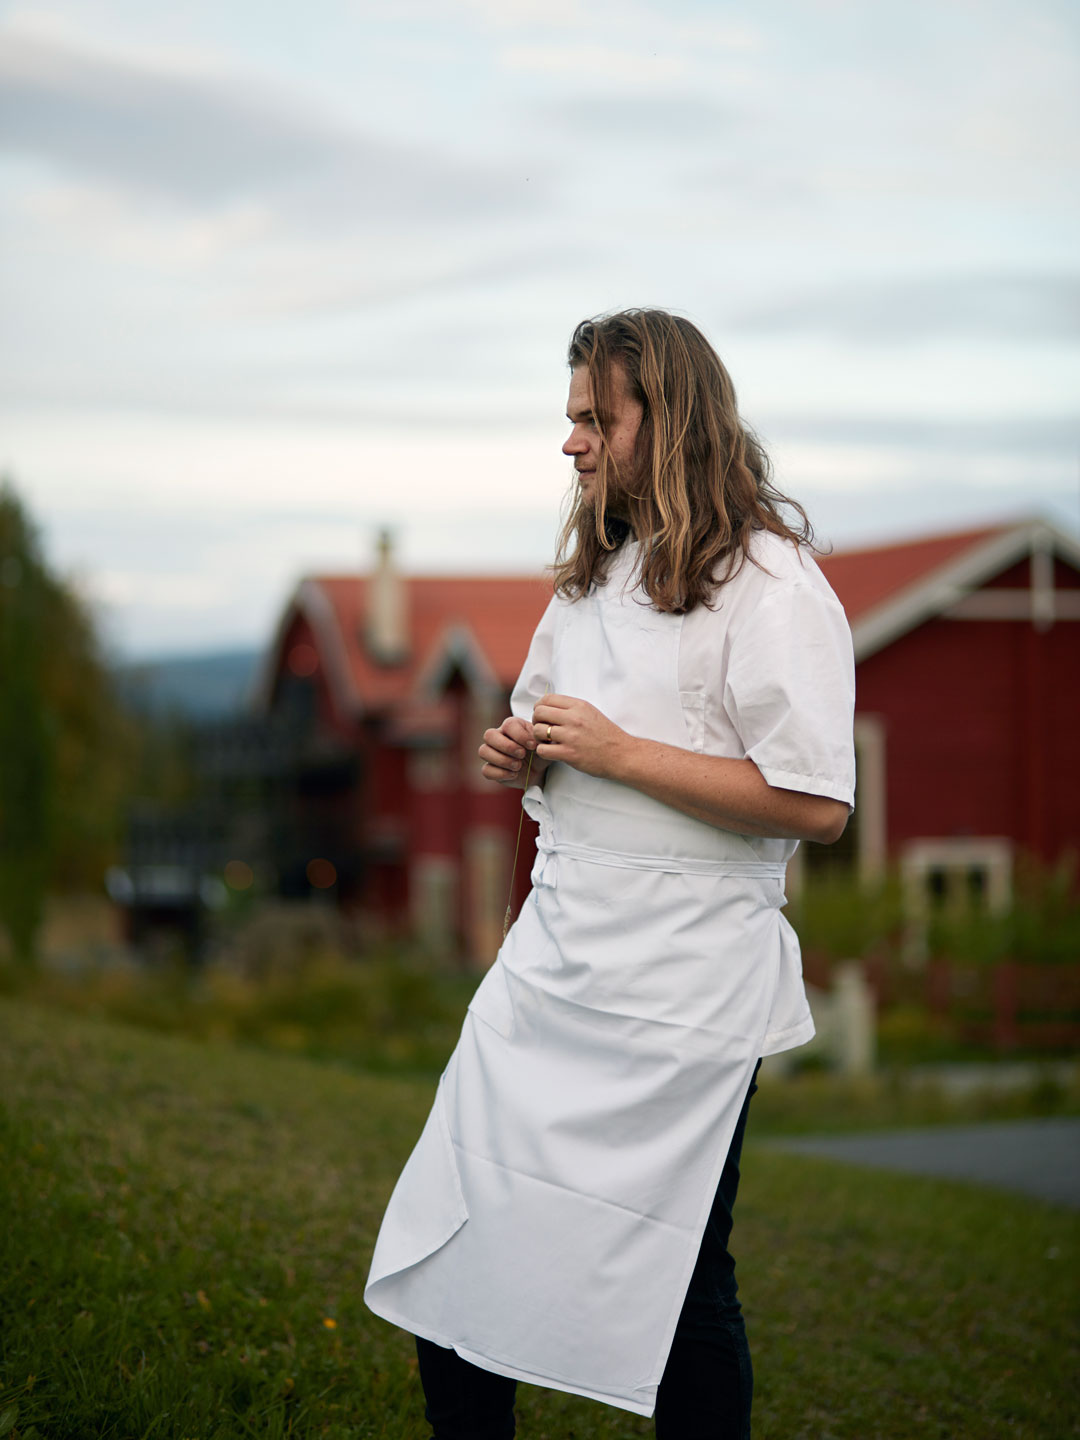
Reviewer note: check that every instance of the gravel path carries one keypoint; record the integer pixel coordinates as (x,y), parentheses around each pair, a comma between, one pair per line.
(1035,1157)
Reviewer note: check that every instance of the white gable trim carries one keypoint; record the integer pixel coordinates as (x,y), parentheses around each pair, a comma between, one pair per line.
(957,579)
(1018,605)
(310,601)
(457,648)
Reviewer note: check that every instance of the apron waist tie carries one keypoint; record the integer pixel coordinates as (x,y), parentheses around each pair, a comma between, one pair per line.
(676,864)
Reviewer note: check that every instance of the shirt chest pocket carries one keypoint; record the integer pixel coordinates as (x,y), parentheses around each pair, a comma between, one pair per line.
(693,710)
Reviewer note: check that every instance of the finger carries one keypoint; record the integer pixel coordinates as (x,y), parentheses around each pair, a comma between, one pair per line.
(491,756)
(553,732)
(519,732)
(550,752)
(546,730)
(499,740)
(501,777)
(555,713)
(517,728)
(547,715)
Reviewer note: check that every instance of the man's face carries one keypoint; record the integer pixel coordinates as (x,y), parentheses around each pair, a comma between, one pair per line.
(621,430)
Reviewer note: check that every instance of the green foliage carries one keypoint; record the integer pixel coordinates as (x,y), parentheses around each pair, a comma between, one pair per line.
(183,1220)
(1042,925)
(28,729)
(909,1034)
(390,1013)
(65,744)
(838,917)
(162,760)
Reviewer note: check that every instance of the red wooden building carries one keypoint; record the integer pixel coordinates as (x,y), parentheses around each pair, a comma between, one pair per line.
(968,718)
(402,675)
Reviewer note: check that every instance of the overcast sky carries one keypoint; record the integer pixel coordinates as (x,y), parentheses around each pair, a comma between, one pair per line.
(276,274)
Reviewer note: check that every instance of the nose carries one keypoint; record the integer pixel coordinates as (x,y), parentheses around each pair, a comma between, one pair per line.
(576,443)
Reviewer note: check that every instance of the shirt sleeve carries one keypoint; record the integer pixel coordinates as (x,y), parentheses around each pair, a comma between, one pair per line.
(789,692)
(535,677)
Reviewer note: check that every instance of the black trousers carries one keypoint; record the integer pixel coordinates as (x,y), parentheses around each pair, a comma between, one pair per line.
(707,1385)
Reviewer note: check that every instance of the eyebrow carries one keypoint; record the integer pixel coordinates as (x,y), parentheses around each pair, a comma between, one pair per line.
(587,413)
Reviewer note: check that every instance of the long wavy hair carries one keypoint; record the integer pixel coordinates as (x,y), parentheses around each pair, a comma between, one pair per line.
(700,483)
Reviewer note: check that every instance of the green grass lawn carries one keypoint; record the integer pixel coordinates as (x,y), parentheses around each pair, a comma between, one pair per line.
(186,1226)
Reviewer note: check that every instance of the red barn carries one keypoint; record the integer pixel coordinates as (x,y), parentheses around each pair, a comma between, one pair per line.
(967,656)
(968,668)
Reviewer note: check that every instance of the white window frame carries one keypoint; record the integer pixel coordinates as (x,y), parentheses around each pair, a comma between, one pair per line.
(993,854)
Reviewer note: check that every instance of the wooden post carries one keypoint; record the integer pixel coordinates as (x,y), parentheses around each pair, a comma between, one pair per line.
(854,1036)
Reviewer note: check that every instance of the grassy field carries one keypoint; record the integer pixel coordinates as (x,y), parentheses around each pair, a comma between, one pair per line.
(186,1228)
(399,1015)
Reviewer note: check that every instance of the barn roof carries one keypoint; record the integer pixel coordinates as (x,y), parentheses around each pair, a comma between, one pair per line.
(865,579)
(890,589)
(482,624)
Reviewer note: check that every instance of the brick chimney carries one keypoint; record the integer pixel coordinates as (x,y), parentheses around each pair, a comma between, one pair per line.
(387,628)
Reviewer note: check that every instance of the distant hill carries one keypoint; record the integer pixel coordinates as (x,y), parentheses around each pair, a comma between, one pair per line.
(199,687)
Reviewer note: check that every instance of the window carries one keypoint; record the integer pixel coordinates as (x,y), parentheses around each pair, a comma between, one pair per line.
(954,876)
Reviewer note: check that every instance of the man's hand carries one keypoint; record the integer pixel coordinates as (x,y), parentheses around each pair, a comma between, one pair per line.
(504,750)
(580,735)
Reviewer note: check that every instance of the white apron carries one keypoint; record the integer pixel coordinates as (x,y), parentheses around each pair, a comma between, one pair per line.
(548,1221)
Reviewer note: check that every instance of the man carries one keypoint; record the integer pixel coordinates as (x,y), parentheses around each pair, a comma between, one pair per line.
(687,702)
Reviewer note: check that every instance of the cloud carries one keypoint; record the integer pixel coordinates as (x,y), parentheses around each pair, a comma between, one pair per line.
(409,272)
(525,14)
(1056,434)
(633,21)
(201,136)
(656,118)
(1016,306)
(597,62)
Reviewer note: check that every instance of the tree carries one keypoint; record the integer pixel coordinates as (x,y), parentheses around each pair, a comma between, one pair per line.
(66,746)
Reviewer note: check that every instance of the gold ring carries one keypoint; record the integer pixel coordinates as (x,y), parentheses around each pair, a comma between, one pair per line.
(549,739)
